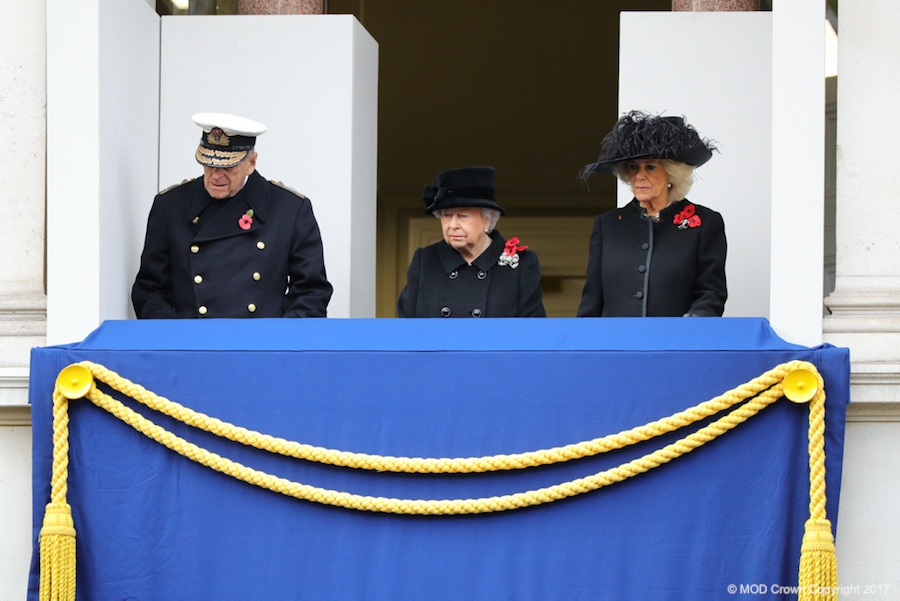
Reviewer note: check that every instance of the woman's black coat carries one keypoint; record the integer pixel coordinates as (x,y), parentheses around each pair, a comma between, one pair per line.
(439,283)
(638,267)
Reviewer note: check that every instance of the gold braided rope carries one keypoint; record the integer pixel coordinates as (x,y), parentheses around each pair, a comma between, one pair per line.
(435,507)
(818,568)
(419,465)
(764,397)
(57,536)
(818,578)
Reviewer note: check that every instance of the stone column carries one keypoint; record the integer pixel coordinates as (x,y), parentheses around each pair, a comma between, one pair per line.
(23,325)
(279,7)
(714,5)
(23,102)
(865,305)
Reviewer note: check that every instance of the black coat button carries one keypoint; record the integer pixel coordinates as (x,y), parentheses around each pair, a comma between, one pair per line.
(445,312)
(476,312)
(481,275)
(642,269)
(645,245)
(639,295)
(453,275)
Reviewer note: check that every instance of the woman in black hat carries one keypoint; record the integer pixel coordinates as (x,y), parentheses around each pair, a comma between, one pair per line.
(473,272)
(660,255)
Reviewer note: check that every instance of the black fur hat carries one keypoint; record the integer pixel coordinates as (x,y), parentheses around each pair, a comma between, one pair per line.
(465,187)
(640,135)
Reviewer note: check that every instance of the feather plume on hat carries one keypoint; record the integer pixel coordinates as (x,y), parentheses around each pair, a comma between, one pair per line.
(640,135)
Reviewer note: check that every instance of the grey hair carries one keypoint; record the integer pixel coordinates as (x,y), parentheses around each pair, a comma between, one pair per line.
(490,216)
(680,176)
(250,154)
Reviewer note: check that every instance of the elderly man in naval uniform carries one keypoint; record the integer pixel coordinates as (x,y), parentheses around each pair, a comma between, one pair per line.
(231,244)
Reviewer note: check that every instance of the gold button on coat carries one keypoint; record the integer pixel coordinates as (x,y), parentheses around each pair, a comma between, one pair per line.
(251,307)
(197,279)
(201,310)
(260,245)
(256,276)
(195,249)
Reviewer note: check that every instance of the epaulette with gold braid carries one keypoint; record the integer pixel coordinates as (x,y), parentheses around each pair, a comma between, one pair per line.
(288,188)
(173,186)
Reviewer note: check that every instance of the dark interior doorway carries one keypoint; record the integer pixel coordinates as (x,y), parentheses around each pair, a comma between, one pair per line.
(529,88)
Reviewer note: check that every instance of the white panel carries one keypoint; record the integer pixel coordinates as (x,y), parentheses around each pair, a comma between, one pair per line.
(73,170)
(364,179)
(15,507)
(868,531)
(798,170)
(716,70)
(308,79)
(102,115)
(129,144)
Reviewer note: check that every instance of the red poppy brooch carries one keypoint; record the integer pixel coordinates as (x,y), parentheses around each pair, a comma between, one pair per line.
(246,220)
(687,218)
(510,255)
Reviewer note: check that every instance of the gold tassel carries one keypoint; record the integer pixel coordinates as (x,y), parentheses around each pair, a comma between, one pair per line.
(818,563)
(57,541)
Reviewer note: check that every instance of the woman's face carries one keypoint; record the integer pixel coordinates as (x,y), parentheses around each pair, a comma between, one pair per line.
(464,229)
(649,184)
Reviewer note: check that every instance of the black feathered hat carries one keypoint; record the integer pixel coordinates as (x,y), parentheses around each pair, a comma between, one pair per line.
(465,187)
(640,135)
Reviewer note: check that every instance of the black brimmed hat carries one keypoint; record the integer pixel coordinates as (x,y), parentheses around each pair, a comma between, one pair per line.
(226,139)
(640,135)
(465,187)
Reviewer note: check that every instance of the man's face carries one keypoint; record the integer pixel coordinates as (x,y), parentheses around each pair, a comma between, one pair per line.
(225,183)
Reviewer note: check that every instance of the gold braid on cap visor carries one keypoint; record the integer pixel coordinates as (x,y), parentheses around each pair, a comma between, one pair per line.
(220,158)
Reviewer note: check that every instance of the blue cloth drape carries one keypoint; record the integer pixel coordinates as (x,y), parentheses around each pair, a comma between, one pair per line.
(154,525)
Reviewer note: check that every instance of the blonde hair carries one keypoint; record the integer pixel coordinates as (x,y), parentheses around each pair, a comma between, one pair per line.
(680,176)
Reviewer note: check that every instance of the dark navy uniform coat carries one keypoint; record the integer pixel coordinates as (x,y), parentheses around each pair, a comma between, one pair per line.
(439,283)
(199,262)
(638,267)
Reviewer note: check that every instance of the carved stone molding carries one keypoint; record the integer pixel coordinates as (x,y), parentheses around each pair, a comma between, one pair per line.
(15,416)
(861,324)
(13,387)
(875,373)
(866,302)
(874,391)
(873,412)
(22,316)
(23,325)
(19,307)
(867,321)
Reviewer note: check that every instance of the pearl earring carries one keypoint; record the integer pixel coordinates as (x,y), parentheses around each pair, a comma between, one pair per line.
(670,185)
